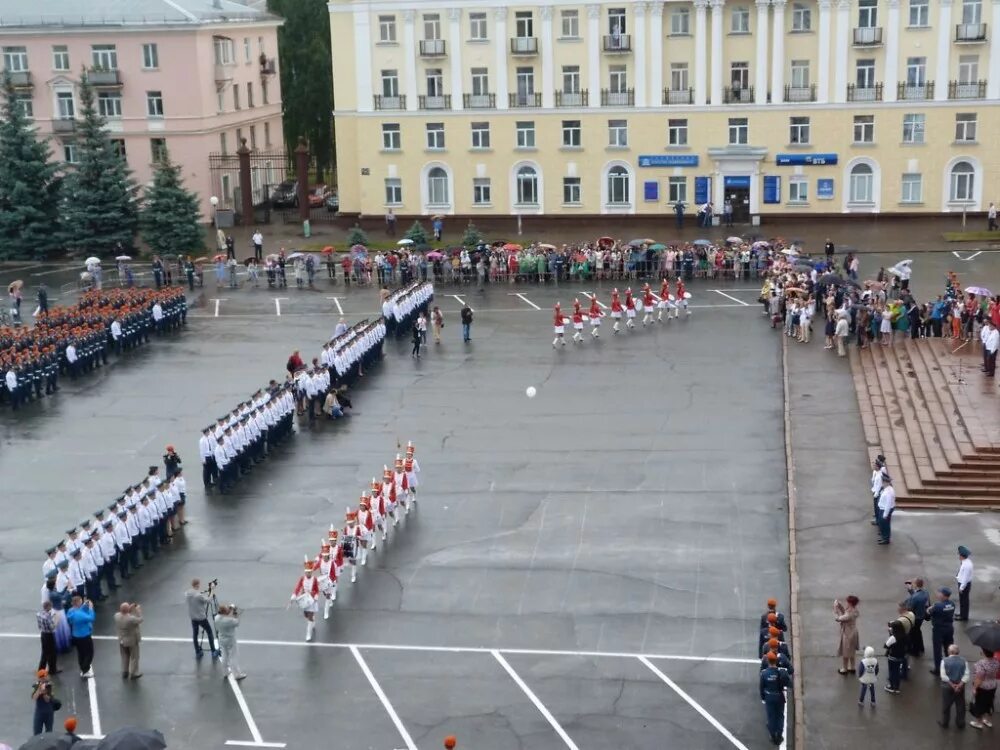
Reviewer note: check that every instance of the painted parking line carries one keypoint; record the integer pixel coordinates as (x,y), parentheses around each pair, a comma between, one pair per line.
(534,699)
(217,300)
(729,296)
(95,713)
(410,744)
(524,299)
(277,305)
(258,740)
(460,301)
(336,301)
(591,295)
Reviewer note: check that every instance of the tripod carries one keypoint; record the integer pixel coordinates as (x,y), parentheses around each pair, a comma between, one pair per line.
(211,610)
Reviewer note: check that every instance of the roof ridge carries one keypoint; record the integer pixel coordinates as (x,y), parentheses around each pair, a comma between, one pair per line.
(184,11)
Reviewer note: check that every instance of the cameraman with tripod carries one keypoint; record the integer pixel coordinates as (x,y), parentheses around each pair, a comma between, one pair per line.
(199,602)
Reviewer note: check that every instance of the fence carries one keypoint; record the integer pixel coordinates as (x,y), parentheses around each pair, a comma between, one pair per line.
(268,169)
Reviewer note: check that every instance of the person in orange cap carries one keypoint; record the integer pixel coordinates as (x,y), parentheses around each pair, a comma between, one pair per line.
(772,608)
(171,462)
(450,742)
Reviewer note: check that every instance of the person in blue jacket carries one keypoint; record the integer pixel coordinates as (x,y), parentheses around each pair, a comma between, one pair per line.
(773,683)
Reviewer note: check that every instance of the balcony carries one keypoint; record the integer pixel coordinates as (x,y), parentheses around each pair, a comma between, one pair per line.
(64,126)
(624,98)
(432,48)
(434,102)
(974,90)
(104,77)
(268,65)
(970,33)
(915,91)
(525,101)
(618,43)
(738,95)
(524,45)
(678,96)
(20,79)
(224,73)
(871,93)
(389,102)
(572,98)
(479,101)
(868,36)
(800,93)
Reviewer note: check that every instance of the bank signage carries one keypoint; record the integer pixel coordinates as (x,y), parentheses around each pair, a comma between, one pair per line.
(798,160)
(669,160)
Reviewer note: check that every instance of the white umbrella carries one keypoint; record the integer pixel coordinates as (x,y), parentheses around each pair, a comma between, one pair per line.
(293,256)
(790,251)
(734,240)
(124,257)
(92,261)
(902,269)
(405,241)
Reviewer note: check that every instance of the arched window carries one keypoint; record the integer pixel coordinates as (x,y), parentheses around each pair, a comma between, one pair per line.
(527,186)
(437,187)
(862,182)
(963,179)
(618,186)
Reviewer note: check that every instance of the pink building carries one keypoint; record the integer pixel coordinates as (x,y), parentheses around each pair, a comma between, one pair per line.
(190,76)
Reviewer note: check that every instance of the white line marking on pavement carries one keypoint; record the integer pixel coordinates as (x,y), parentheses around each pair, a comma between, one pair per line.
(729,296)
(518,294)
(693,703)
(95,714)
(784,726)
(410,744)
(258,741)
(436,649)
(993,535)
(460,300)
(336,301)
(277,305)
(46,273)
(953,252)
(534,699)
(217,301)
(593,296)
(933,512)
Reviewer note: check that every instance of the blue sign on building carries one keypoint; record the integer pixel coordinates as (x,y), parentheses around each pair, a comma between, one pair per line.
(796,160)
(772,189)
(651,190)
(736,181)
(669,160)
(702,187)
(824,188)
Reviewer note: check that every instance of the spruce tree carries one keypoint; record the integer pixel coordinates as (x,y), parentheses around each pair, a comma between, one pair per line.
(417,233)
(29,185)
(472,236)
(169,218)
(357,236)
(99,207)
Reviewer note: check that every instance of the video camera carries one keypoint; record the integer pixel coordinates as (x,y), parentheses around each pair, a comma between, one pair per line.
(211,585)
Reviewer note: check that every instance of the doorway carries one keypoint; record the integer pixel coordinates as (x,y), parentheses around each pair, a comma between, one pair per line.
(736,190)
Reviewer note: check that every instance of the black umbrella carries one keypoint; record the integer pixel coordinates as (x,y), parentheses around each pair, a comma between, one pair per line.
(831,279)
(48,741)
(986,635)
(133,738)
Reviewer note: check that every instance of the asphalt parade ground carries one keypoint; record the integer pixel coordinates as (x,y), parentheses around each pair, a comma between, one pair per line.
(584,569)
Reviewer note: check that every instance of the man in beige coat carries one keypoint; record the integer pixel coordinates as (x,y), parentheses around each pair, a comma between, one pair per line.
(127,621)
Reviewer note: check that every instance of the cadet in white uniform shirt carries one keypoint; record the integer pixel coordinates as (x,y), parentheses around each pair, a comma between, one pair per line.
(964,579)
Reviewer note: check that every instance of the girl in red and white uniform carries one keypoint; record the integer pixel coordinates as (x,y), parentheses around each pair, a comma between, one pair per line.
(629,309)
(664,300)
(412,477)
(401,484)
(577,322)
(306,595)
(558,326)
(616,311)
(351,541)
(366,526)
(337,552)
(647,305)
(595,317)
(682,297)
(389,491)
(379,507)
(326,570)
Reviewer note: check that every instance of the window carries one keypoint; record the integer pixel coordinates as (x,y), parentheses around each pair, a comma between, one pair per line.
(26,105)
(865,70)
(70,154)
(432,26)
(250,94)
(437,187)
(963,178)
(677,190)
(223,143)
(65,107)
(867,14)
(740,20)
(913,186)
(263,91)
(253,136)
(267,134)
(913,128)
(798,130)
(154,104)
(158,149)
(480,135)
(801,17)
(239,137)
(477,27)
(800,74)
(919,12)
(916,71)
(527,186)
(481,191)
(618,186)
(864,128)
(968,69)
(618,79)
(571,79)
(571,134)
(677,132)
(965,127)
(260,45)
(523,24)
(525,134)
(236,97)
(109,105)
(435,82)
(435,135)
(150,56)
(247,53)
(394,191)
(678,76)
(972,11)
(571,190)
(861,184)
(387,29)
(680,22)
(798,190)
(390,83)
(618,133)
(525,83)
(15,59)
(739,131)
(220,102)
(391,136)
(224,54)
(616,21)
(118,146)
(570,20)
(480,82)
(104,56)
(739,74)
(60,57)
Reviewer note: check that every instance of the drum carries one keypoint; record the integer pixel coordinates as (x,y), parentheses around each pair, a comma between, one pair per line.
(305,601)
(348,546)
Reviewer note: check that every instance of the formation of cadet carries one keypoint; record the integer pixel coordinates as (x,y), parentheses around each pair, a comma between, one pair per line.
(775,669)
(401,307)
(73,341)
(245,436)
(364,526)
(349,352)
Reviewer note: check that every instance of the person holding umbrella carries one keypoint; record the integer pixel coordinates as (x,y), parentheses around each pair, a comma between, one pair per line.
(984,673)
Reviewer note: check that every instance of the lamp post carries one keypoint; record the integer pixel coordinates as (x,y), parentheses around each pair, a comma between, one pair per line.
(214,200)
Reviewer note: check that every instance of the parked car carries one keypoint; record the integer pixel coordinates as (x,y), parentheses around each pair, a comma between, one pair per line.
(317,195)
(332,202)
(285,194)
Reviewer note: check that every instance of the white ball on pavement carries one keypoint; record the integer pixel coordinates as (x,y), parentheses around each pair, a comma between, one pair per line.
(531,391)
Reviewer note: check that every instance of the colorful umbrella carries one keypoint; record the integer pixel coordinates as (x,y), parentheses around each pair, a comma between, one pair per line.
(545,246)
(979,291)
(14,285)
(328,250)
(201,259)
(512,246)
(702,243)
(405,241)
(435,255)
(219,256)
(657,246)
(734,240)
(295,256)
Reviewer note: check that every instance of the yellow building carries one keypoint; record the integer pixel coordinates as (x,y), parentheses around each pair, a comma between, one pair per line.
(560,108)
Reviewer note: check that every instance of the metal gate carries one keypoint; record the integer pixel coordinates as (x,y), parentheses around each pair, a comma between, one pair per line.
(267,170)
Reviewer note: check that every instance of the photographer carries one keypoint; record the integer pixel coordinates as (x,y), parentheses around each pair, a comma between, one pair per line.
(81,625)
(46,704)
(226,623)
(128,618)
(198,602)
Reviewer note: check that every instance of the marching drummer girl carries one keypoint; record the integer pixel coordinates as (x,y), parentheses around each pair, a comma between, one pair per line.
(306,595)
(327,574)
(647,305)
(402,486)
(337,552)
(389,491)
(595,317)
(629,309)
(350,543)
(616,311)
(664,300)
(577,322)
(682,297)
(558,326)
(366,525)
(378,507)
(411,477)
(411,450)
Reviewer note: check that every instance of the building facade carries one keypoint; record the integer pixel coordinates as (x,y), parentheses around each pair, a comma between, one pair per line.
(186,77)
(561,108)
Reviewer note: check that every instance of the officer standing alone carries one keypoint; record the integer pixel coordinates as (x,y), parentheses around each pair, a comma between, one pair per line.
(773,682)
(942,616)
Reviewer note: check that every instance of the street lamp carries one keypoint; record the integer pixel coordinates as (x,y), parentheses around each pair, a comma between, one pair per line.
(214,200)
